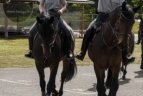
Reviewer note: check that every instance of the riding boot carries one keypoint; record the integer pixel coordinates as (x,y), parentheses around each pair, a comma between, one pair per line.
(69,52)
(32,33)
(84,46)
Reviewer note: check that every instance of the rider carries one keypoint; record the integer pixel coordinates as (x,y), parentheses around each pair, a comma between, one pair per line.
(50,7)
(103,9)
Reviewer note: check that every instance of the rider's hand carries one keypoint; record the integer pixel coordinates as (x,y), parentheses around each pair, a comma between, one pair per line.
(60,12)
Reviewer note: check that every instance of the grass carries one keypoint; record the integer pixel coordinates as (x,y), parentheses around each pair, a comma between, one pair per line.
(12,52)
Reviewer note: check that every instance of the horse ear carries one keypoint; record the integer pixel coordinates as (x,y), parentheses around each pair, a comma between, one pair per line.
(124,8)
(136,9)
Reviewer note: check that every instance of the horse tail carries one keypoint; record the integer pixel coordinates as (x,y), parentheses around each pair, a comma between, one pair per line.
(70,70)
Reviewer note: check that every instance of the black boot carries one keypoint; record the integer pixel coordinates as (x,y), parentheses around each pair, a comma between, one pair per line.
(84,46)
(68,45)
(70,55)
(32,34)
(141,66)
(29,54)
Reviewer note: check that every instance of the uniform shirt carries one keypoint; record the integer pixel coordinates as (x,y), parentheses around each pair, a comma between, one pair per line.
(53,4)
(107,6)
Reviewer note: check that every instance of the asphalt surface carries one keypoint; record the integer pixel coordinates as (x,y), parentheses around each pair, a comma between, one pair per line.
(25,82)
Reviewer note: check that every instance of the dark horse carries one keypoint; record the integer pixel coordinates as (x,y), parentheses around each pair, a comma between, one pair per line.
(48,51)
(106,48)
(127,48)
(140,40)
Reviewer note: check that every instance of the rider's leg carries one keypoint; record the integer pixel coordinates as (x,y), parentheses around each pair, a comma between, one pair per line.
(94,27)
(85,43)
(68,37)
(32,33)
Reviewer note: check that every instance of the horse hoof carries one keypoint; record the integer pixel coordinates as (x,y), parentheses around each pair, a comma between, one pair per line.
(43,94)
(55,94)
(141,67)
(123,78)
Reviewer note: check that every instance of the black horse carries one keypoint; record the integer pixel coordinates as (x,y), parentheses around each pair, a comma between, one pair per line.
(107,55)
(48,51)
(140,40)
(127,51)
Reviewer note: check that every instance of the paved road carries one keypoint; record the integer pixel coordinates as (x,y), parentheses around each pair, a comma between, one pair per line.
(24,82)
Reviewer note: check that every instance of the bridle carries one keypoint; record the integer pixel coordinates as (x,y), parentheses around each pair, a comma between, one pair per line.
(116,33)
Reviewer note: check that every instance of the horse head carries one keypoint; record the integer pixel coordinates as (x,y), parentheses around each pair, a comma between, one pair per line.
(122,20)
(45,26)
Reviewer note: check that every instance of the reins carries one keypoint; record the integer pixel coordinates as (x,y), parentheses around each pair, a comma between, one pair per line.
(115,33)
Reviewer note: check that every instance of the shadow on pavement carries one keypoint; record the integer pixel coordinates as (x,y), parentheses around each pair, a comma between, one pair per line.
(139,74)
(93,88)
(122,82)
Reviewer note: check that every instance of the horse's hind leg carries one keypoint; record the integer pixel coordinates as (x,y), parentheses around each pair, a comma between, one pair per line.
(124,72)
(141,66)
(42,79)
(51,87)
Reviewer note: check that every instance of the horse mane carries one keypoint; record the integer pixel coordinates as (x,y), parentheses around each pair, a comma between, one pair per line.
(126,11)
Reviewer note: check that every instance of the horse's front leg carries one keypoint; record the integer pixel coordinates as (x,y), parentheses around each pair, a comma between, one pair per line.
(51,87)
(115,82)
(42,79)
(100,75)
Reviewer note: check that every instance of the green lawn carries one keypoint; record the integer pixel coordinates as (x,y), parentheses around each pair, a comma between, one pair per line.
(12,52)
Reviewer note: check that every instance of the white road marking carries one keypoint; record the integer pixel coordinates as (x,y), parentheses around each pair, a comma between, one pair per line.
(80,91)
(89,74)
(29,83)
(21,82)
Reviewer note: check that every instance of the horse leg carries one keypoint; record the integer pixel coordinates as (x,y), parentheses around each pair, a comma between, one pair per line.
(141,66)
(63,76)
(42,79)
(108,80)
(115,83)
(100,74)
(51,87)
(69,70)
(124,72)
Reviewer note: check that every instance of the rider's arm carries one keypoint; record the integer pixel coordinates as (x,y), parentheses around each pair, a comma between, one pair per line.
(42,6)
